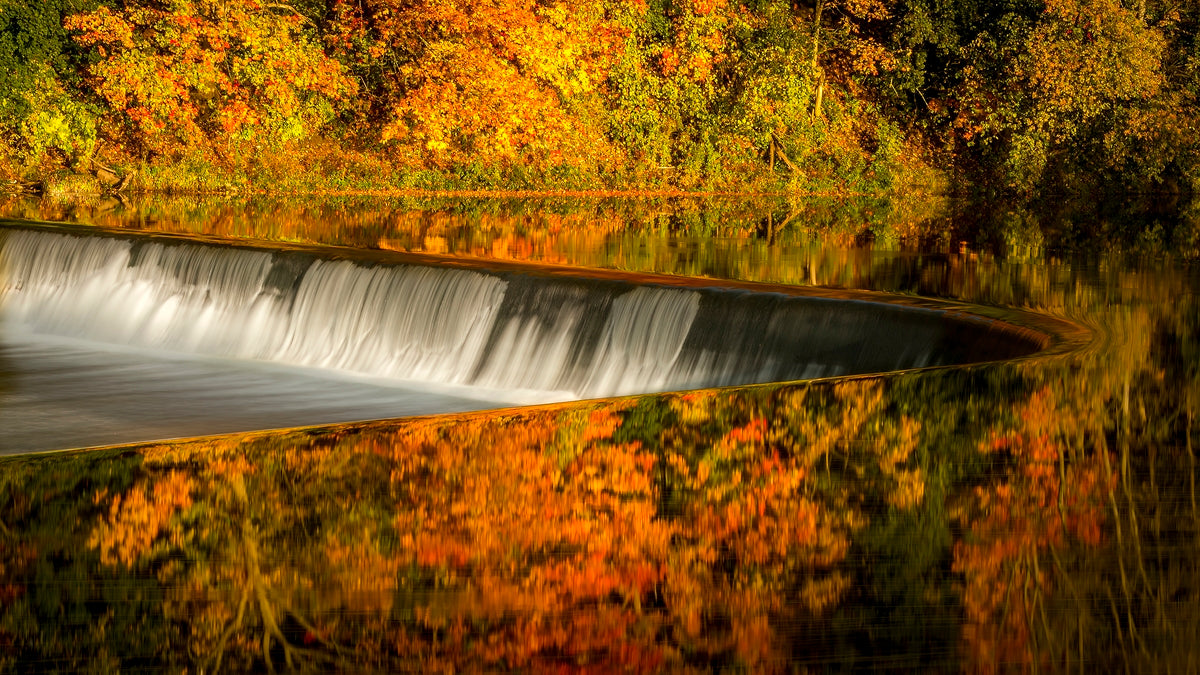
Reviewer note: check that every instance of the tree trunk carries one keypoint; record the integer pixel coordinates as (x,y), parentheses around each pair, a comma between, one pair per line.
(816,33)
(814,64)
(820,95)
(777,147)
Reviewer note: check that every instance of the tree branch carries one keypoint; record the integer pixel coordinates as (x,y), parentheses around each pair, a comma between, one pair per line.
(291,10)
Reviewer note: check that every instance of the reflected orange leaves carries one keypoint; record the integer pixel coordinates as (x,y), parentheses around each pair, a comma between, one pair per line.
(359,573)
(1016,526)
(15,557)
(682,236)
(136,519)
(531,535)
(649,533)
(547,539)
(710,538)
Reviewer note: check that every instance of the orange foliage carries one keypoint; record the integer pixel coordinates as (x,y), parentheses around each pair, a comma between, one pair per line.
(136,519)
(1035,507)
(208,71)
(523,536)
(554,538)
(481,80)
(539,540)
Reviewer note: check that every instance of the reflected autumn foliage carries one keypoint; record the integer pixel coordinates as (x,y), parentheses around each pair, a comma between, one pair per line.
(1015,525)
(558,538)
(672,235)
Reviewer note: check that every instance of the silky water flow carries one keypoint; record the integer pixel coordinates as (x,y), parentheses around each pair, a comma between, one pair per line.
(107,339)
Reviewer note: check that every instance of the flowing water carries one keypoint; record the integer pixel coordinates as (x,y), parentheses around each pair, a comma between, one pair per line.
(1029,514)
(148,338)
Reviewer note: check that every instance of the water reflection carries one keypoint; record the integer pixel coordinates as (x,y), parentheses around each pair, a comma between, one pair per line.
(723,237)
(1036,515)
(878,243)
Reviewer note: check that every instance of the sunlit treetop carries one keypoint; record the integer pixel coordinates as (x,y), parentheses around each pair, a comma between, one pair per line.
(197,73)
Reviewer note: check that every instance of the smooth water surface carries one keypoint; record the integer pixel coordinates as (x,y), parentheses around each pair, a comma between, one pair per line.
(1036,515)
(57,394)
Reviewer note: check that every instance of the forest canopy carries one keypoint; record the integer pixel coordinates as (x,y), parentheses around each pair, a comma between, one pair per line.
(822,96)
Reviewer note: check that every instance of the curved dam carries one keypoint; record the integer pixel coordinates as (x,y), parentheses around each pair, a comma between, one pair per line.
(109,338)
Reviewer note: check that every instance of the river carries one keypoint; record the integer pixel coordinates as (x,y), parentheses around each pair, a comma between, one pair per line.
(1035,513)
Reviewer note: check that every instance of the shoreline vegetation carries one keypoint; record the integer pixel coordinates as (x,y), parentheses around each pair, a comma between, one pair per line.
(599,97)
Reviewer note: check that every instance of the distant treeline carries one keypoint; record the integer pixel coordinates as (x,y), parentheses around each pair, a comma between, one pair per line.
(823,95)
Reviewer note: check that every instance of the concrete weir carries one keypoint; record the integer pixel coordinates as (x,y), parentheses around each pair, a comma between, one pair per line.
(114,337)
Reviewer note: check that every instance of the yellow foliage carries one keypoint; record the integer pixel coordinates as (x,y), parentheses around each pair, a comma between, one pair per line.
(137,518)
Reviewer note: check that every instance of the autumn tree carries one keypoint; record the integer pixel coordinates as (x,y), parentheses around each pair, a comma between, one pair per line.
(1070,75)
(203,74)
(41,113)
(1051,95)
(712,89)
(483,81)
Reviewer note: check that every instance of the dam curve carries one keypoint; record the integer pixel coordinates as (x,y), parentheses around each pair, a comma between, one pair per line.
(116,337)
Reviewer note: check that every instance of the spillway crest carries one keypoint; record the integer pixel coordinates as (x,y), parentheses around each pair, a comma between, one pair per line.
(565,337)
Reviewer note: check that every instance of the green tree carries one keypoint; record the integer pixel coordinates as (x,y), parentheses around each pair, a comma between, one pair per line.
(41,112)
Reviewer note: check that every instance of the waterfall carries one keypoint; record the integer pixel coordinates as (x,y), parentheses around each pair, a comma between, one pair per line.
(411,323)
(555,337)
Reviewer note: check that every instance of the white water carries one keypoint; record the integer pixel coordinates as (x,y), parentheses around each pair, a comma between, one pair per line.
(406,323)
(134,339)
(509,337)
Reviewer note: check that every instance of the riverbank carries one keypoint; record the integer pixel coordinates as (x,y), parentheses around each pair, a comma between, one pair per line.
(320,167)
